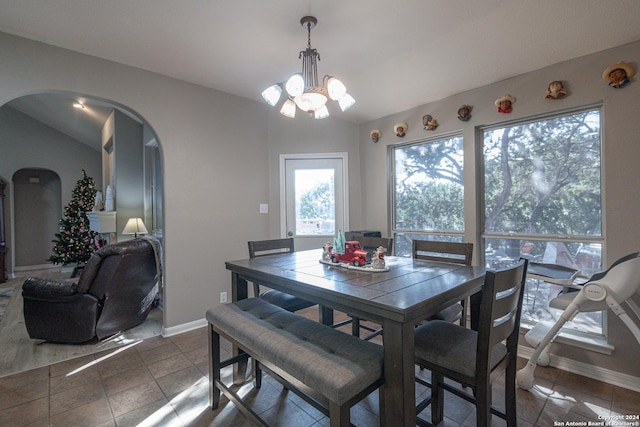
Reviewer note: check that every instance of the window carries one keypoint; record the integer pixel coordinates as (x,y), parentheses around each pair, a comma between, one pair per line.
(315,207)
(427,192)
(543,201)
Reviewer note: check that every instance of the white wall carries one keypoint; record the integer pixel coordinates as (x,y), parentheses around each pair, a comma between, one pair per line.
(621,142)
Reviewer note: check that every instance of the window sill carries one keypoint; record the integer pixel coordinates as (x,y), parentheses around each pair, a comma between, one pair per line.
(595,344)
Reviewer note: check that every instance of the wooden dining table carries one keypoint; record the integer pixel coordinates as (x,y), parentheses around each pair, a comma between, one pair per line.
(405,293)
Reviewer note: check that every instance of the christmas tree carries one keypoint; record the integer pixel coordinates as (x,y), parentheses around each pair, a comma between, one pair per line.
(75,241)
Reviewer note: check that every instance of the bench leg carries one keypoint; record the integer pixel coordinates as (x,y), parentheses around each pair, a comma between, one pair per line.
(339,415)
(257,373)
(214,367)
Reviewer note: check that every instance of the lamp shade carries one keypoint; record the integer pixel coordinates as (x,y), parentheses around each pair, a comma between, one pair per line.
(135,226)
(272,94)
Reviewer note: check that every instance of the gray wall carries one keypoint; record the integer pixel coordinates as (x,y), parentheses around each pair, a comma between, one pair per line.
(218,148)
(621,143)
(126,168)
(215,153)
(21,138)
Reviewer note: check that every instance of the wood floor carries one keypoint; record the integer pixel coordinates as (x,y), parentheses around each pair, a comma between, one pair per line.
(20,353)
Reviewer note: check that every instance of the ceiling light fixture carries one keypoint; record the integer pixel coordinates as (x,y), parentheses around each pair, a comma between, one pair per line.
(78,105)
(303,89)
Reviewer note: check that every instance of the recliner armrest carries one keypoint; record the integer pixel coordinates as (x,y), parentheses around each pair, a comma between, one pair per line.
(42,288)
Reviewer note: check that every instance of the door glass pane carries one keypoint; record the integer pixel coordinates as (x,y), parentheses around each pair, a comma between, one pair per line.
(315,209)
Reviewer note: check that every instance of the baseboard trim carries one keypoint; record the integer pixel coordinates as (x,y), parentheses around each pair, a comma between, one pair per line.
(590,371)
(184,327)
(38,267)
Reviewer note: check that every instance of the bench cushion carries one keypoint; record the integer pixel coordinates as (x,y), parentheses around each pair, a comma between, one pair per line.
(335,364)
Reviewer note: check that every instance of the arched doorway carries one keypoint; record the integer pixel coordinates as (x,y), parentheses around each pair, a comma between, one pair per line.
(64,140)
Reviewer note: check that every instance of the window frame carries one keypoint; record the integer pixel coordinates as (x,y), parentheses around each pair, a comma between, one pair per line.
(595,341)
(432,234)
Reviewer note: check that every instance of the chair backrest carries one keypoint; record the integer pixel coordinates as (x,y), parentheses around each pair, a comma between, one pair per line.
(622,278)
(500,310)
(357,235)
(373,243)
(124,277)
(258,248)
(460,253)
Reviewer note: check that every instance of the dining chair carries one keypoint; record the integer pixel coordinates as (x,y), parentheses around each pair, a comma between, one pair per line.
(455,252)
(258,248)
(370,244)
(476,358)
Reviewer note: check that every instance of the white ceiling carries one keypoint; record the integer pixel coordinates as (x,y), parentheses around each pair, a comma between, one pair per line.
(392,56)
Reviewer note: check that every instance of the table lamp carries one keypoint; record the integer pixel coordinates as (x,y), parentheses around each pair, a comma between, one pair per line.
(135,226)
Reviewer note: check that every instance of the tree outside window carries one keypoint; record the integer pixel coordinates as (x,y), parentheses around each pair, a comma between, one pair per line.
(428,192)
(543,201)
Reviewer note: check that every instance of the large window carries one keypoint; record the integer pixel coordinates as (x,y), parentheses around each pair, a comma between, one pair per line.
(543,201)
(427,192)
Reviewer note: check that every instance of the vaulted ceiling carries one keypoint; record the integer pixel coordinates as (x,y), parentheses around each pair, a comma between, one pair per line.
(392,56)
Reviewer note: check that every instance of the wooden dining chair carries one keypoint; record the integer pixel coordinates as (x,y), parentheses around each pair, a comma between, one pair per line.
(476,358)
(455,252)
(369,244)
(258,248)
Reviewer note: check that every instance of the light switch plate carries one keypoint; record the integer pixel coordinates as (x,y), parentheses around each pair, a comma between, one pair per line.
(264,208)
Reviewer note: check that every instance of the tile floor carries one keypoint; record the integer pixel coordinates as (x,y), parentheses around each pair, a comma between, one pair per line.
(163,382)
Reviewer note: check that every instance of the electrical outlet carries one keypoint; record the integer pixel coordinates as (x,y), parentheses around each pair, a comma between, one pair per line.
(223,297)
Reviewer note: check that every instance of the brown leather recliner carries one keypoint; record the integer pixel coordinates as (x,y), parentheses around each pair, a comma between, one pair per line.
(116,290)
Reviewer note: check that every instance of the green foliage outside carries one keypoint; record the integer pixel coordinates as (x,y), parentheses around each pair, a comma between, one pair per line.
(317,203)
(541,177)
(428,186)
(544,177)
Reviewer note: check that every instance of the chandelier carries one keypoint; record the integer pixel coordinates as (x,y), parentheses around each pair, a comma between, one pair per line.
(303,90)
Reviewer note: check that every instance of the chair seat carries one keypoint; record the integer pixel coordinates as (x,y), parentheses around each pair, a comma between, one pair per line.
(452,348)
(284,300)
(449,314)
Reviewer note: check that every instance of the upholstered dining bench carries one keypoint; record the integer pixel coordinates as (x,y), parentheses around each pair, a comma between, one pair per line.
(330,369)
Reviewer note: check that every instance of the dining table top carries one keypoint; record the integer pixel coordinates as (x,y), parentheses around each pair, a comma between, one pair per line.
(399,296)
(408,290)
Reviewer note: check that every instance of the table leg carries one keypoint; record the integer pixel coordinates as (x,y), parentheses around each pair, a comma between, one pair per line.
(399,405)
(238,291)
(326,315)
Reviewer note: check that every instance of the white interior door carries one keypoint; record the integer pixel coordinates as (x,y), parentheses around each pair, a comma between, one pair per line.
(313,197)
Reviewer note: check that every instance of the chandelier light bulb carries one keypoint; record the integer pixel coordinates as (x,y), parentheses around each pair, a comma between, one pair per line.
(304,89)
(295,85)
(335,88)
(288,109)
(346,102)
(321,113)
(272,94)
